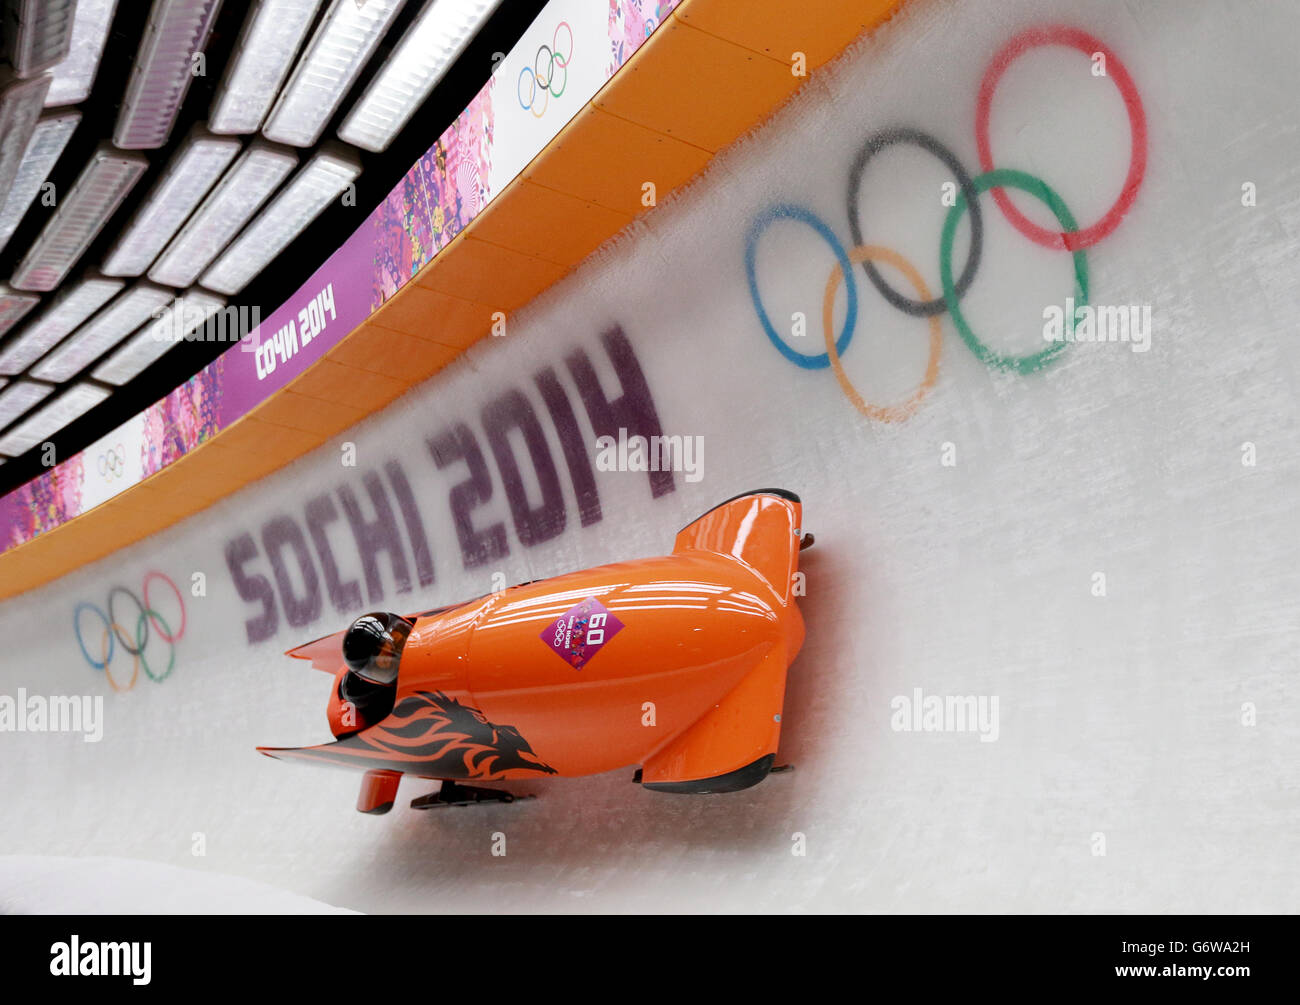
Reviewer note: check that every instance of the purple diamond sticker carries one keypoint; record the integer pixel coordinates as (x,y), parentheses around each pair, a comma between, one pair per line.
(578,634)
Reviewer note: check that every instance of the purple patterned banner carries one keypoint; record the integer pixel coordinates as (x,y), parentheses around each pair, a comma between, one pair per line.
(433,202)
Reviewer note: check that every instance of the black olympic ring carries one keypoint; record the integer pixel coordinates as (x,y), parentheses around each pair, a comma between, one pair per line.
(550,69)
(877,142)
(142,639)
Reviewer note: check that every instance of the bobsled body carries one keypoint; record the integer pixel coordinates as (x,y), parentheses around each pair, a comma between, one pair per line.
(676,664)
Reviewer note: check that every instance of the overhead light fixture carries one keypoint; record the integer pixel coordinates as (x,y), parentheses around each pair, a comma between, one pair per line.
(51,135)
(37,33)
(320,181)
(192,171)
(224,213)
(177,30)
(72,404)
(20,107)
(81,214)
(20,396)
(271,37)
(420,60)
(73,305)
(74,76)
(327,68)
(13,305)
(102,332)
(187,313)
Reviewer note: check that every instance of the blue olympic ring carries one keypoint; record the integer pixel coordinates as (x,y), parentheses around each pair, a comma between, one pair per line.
(108,629)
(787,211)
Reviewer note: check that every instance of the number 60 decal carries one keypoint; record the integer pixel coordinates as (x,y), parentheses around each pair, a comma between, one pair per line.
(596,629)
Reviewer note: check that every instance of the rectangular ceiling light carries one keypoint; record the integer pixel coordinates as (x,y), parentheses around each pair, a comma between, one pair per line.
(192,171)
(18,397)
(73,305)
(177,29)
(72,404)
(81,215)
(13,305)
(37,33)
(328,67)
(224,213)
(50,136)
(102,332)
(321,181)
(186,314)
(271,37)
(74,76)
(20,108)
(424,54)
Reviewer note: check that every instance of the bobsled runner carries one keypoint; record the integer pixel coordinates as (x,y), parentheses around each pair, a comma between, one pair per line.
(675,664)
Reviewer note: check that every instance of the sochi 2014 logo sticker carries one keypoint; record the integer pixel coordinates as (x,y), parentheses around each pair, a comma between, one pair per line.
(578,634)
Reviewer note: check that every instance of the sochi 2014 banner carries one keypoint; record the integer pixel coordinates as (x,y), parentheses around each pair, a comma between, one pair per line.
(561,61)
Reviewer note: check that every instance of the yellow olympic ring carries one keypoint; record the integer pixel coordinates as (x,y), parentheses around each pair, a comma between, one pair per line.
(885,413)
(103,658)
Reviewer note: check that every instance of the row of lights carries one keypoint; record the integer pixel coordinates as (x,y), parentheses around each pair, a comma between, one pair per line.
(222,209)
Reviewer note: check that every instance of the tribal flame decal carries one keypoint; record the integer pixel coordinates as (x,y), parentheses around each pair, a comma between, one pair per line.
(429,733)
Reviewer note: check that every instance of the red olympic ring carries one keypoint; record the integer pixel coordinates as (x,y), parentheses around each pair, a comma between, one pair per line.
(1087,44)
(166,637)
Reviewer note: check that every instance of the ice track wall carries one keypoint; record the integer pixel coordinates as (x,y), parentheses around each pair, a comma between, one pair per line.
(1096,539)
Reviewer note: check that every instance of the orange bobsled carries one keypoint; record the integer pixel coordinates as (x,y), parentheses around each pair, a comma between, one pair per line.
(676,664)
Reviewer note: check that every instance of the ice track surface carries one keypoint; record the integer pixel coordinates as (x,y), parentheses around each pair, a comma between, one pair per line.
(1101,539)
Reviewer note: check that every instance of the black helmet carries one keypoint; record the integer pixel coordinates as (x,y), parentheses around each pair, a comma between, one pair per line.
(372,646)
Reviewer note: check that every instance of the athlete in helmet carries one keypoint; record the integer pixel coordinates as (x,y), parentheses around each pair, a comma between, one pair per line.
(372,650)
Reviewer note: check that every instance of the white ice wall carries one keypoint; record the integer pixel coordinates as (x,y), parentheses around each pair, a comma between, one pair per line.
(1119,716)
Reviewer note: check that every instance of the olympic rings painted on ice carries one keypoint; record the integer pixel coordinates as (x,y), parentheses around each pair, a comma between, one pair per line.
(1071,237)
(1088,45)
(148,621)
(542,82)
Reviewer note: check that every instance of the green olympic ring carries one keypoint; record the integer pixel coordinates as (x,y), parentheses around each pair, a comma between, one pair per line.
(140,636)
(1040,190)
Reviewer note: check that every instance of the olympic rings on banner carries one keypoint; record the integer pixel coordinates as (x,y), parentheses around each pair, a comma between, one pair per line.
(865,253)
(785,211)
(1088,45)
(1040,190)
(115,634)
(112,462)
(542,82)
(1071,237)
(878,142)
